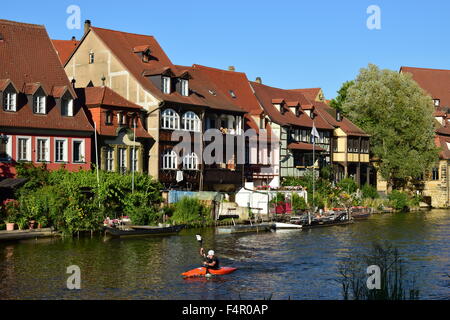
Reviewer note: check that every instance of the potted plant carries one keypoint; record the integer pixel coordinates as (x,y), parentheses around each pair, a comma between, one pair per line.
(42,221)
(12,212)
(22,222)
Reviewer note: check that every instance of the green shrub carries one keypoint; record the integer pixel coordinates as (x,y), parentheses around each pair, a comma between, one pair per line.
(348,185)
(369,191)
(191,211)
(298,203)
(398,200)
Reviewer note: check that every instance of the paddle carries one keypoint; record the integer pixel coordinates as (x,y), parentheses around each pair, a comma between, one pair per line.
(200,241)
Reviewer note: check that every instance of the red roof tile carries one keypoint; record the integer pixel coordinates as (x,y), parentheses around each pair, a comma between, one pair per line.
(310,93)
(436,82)
(266,94)
(304,146)
(64,49)
(29,60)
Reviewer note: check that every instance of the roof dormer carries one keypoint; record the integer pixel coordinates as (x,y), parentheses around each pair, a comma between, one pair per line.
(161,78)
(278,104)
(309,110)
(182,83)
(8,95)
(37,96)
(144,52)
(294,106)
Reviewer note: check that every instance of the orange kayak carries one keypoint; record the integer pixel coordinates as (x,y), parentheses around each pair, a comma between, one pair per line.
(198,272)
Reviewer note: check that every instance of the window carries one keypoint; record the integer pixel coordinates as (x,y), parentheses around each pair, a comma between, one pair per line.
(335,144)
(39,104)
(169,160)
(10,101)
(210,123)
(184,87)
(5,148)
(23,148)
(190,161)
(67,107)
(121,118)
(109,117)
(110,159)
(60,150)
(170,119)
(91,57)
(437,102)
(365,146)
(78,151)
(435,174)
(166,85)
(122,160)
(42,150)
(134,159)
(191,122)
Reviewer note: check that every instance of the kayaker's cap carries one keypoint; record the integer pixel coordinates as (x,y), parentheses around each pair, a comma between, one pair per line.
(210,252)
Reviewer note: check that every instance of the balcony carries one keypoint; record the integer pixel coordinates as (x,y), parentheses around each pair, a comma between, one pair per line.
(222,176)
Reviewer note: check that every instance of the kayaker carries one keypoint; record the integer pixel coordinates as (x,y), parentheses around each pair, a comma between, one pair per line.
(211,261)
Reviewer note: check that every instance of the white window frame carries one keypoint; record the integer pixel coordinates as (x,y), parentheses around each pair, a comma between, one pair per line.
(8,150)
(436,102)
(110,152)
(83,151)
(40,104)
(28,148)
(69,107)
(184,87)
(170,160)
(190,161)
(191,122)
(65,149)
(170,119)
(10,103)
(47,155)
(122,157)
(134,157)
(166,84)
(91,57)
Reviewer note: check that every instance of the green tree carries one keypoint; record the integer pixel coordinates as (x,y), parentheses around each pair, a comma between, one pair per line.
(342,96)
(398,115)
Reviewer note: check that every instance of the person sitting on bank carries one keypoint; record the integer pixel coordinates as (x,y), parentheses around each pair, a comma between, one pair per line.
(211,261)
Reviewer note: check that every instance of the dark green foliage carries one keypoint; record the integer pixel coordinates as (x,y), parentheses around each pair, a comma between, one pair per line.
(369,191)
(399,200)
(298,203)
(398,115)
(348,185)
(342,96)
(75,201)
(191,211)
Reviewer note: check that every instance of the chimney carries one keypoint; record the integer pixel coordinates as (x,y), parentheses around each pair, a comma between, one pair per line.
(73,38)
(73,83)
(231,68)
(258,80)
(87,26)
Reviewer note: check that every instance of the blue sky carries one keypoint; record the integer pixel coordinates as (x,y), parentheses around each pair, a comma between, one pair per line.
(289,43)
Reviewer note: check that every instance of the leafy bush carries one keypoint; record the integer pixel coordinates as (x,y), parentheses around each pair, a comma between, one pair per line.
(398,200)
(190,211)
(348,185)
(298,203)
(369,191)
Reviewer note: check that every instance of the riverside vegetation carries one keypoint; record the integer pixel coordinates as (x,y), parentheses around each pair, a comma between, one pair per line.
(74,202)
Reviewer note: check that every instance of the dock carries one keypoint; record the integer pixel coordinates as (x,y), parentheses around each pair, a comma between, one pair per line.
(246,228)
(27,234)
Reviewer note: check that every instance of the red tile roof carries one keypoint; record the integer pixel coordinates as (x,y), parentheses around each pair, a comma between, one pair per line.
(441,142)
(123,45)
(304,146)
(266,95)
(436,82)
(236,82)
(29,60)
(64,49)
(310,93)
(103,98)
(329,114)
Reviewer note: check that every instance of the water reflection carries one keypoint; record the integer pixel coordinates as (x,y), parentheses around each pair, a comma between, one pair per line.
(289,264)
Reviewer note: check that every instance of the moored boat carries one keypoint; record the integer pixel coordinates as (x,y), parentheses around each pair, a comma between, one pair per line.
(281,225)
(142,230)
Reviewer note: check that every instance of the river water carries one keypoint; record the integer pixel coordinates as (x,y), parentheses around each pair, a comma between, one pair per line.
(278,265)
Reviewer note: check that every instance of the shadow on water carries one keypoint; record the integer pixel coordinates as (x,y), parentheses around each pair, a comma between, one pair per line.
(289,264)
